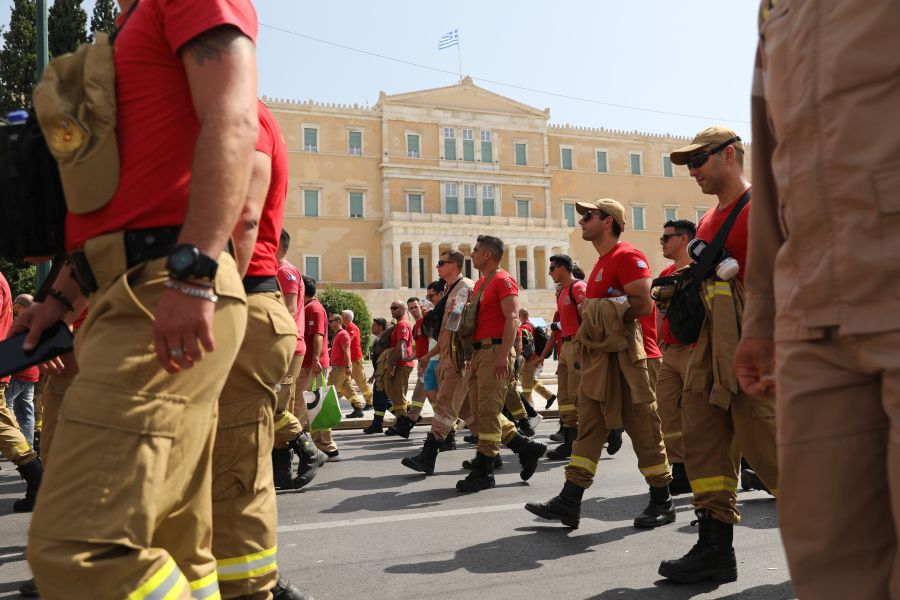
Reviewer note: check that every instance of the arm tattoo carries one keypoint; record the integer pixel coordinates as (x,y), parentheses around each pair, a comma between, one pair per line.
(211,45)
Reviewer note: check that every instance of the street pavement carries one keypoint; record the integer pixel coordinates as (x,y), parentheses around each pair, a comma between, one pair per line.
(367,527)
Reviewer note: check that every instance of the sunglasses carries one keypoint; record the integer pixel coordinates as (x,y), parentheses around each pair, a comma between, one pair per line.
(443,262)
(590,215)
(695,161)
(665,237)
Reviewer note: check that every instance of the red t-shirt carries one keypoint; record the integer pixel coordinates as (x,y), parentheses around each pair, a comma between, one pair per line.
(568,311)
(736,242)
(613,271)
(315,322)
(31,374)
(420,339)
(291,282)
(340,345)
(491,319)
(403,333)
(271,143)
(76,324)
(355,342)
(6,313)
(667,336)
(156,125)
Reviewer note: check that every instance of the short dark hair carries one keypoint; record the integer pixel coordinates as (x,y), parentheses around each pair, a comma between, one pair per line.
(285,240)
(494,244)
(455,256)
(309,287)
(563,260)
(684,226)
(616,228)
(438,285)
(380,321)
(412,299)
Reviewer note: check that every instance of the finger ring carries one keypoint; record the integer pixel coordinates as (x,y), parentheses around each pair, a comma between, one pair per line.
(176,352)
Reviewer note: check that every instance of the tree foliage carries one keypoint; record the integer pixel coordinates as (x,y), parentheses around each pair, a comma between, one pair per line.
(66,27)
(335,301)
(104,17)
(21,276)
(18,57)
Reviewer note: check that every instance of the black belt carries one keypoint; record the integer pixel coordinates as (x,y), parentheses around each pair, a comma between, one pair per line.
(483,344)
(141,245)
(254,284)
(567,338)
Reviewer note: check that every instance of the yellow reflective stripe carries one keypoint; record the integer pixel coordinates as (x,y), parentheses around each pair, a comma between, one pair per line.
(489,437)
(719,483)
(583,463)
(283,421)
(719,288)
(660,469)
(247,566)
(379,413)
(527,390)
(206,588)
(774,492)
(418,403)
(567,408)
(166,584)
(445,420)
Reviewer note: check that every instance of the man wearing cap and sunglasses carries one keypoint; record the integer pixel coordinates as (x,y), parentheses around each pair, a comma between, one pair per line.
(621,271)
(719,420)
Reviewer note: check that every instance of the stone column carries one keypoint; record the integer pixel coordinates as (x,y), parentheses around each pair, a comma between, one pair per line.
(513,268)
(386,265)
(414,254)
(548,281)
(435,256)
(396,274)
(530,271)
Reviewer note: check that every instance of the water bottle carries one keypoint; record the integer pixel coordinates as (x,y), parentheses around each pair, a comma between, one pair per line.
(459,303)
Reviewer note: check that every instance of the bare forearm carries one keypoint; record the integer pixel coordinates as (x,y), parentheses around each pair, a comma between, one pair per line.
(318,340)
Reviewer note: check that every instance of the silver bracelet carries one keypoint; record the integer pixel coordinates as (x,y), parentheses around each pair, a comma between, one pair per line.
(205,294)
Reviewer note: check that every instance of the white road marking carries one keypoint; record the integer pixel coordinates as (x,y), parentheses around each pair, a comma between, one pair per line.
(404,517)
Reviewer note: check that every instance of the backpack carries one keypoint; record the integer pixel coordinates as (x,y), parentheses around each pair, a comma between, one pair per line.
(382,343)
(431,323)
(528,347)
(541,337)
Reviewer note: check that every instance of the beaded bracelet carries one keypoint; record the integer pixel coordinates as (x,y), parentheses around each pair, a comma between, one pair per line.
(61,298)
(195,292)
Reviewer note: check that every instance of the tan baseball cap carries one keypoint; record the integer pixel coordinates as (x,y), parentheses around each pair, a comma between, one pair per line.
(75,103)
(712,137)
(611,207)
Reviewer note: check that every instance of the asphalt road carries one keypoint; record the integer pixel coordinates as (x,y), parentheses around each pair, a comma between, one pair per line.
(367,527)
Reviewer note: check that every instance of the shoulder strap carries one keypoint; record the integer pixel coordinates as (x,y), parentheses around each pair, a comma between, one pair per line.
(484,285)
(572,299)
(718,242)
(115,34)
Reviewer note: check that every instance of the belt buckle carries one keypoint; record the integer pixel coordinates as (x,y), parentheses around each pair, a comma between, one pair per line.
(83,274)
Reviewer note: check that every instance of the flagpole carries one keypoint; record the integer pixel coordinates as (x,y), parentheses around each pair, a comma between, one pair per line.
(459,55)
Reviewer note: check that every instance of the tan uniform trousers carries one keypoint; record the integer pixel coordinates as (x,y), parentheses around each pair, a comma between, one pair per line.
(244,514)
(418,396)
(839,455)
(451,394)
(395,387)
(508,429)
(13,444)
(39,402)
(343,383)
(322,439)
(714,439)
(642,424)
(568,381)
(54,392)
(362,382)
(669,386)
(529,383)
(126,510)
(487,395)
(287,425)
(513,402)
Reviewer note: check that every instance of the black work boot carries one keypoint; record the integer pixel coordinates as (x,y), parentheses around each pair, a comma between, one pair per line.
(285,590)
(565,508)
(711,558)
(481,477)
(449,442)
(309,460)
(613,441)
(402,427)
(559,435)
(529,409)
(751,481)
(564,450)
(524,427)
(680,482)
(660,510)
(375,425)
(550,402)
(498,462)
(357,413)
(281,469)
(423,462)
(29,589)
(32,472)
(529,453)
(471,438)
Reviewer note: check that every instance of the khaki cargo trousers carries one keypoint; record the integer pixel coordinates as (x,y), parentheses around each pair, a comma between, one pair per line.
(451,395)
(287,423)
(568,381)
(529,383)
(54,392)
(126,510)
(343,383)
(487,395)
(642,425)
(13,444)
(243,490)
(362,382)
(396,386)
(669,387)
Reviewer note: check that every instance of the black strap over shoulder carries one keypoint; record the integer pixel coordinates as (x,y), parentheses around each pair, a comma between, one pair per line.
(711,252)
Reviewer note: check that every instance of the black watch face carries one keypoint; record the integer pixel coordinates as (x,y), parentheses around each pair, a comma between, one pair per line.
(182,259)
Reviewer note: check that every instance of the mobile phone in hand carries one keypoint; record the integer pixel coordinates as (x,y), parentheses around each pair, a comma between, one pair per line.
(55,341)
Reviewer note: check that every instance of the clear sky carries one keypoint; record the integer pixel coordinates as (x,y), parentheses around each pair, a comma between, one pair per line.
(692,57)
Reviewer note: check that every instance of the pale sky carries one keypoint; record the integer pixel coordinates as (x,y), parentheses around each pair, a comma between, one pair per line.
(693,57)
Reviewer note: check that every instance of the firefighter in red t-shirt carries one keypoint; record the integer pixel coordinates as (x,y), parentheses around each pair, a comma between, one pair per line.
(397,380)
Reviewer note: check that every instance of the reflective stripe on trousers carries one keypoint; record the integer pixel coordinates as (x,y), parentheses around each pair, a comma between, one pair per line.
(247,566)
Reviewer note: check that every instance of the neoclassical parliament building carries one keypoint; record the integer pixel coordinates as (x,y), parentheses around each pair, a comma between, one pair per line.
(376,193)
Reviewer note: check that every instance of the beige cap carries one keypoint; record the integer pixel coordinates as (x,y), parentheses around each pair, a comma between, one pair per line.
(75,104)
(711,136)
(611,207)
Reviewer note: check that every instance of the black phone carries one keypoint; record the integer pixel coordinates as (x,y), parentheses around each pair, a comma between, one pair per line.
(55,341)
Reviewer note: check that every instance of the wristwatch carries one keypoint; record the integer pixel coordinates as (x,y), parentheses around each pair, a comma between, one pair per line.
(187,262)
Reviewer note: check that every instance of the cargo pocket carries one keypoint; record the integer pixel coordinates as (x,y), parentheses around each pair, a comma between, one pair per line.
(763,408)
(243,441)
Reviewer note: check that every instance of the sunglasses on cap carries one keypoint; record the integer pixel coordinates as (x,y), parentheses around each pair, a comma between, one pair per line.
(697,160)
(590,215)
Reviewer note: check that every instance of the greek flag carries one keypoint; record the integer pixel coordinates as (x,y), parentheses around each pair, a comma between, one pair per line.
(449,39)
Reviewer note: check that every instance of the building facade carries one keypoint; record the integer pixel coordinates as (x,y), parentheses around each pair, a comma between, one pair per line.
(376,194)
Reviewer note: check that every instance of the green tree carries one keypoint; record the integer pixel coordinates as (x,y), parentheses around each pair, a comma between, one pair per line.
(18,57)
(104,17)
(66,27)
(335,301)
(21,276)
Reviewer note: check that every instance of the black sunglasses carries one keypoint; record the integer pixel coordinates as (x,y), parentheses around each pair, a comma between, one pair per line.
(665,237)
(442,262)
(695,161)
(590,214)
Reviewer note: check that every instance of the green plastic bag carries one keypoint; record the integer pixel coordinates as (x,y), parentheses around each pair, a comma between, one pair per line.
(322,405)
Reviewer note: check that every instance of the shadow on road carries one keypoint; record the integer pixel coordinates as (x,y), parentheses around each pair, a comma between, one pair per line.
(666,590)
(354,484)
(390,501)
